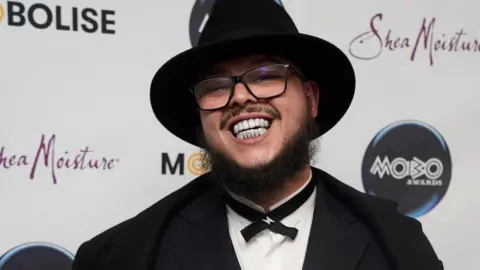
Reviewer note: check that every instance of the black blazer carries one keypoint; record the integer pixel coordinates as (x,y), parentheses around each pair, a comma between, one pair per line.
(188,230)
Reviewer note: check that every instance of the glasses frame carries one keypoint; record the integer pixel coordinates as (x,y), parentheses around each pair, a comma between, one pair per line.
(240,79)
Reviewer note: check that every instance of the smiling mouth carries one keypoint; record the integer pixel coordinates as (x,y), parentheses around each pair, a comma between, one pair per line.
(250,128)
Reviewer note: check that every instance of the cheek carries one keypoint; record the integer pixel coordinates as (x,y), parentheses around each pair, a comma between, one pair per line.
(292,109)
(210,124)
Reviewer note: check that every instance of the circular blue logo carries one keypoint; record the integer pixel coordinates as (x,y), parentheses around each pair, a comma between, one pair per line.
(37,256)
(199,17)
(408,162)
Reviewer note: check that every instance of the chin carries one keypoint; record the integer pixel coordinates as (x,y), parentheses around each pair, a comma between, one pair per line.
(252,161)
(253,164)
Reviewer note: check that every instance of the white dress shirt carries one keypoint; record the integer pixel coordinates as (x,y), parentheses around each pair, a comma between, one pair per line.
(269,250)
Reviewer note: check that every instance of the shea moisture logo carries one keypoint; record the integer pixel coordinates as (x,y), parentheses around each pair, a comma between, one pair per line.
(47,157)
(377,40)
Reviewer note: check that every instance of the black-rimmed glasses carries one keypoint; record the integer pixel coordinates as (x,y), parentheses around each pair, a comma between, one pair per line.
(263,82)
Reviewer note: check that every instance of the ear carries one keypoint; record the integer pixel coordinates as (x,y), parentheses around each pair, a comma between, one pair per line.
(312,92)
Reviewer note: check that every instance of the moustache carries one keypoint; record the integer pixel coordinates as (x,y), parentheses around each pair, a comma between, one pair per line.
(235,111)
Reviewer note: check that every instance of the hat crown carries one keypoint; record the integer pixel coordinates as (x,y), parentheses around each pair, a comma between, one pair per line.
(230,19)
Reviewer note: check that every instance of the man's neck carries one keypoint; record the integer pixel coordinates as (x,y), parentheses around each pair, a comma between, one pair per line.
(266,201)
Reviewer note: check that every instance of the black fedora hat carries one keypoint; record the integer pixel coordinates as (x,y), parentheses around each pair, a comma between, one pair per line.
(239,27)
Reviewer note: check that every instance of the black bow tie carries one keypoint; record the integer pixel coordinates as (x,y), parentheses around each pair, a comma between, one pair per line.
(262,221)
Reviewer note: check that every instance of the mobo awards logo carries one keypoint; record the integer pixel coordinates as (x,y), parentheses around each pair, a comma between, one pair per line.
(199,17)
(2,12)
(61,18)
(37,256)
(408,162)
(193,163)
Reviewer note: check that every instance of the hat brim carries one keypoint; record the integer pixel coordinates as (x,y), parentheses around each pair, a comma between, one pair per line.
(175,107)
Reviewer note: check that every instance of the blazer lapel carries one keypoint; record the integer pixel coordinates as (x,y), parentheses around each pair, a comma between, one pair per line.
(337,240)
(206,238)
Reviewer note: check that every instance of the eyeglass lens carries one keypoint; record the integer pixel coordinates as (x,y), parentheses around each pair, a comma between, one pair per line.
(263,82)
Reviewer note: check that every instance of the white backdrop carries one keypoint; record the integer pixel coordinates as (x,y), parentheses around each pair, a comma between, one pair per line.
(92,90)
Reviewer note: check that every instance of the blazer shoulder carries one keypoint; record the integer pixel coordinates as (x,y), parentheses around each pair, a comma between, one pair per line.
(406,239)
(399,235)
(90,252)
(148,220)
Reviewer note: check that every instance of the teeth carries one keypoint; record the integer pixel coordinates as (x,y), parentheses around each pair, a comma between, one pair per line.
(245,125)
(251,133)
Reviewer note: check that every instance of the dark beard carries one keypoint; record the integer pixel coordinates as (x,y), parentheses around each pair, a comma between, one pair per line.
(269,178)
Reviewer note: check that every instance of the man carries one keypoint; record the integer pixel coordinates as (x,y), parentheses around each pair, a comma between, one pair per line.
(254,93)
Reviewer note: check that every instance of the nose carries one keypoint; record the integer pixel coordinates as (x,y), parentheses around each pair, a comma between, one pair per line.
(241,95)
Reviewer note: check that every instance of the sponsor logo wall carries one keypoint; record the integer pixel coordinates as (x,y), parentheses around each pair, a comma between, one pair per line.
(408,162)
(47,157)
(81,151)
(41,15)
(37,256)
(176,164)
(380,38)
